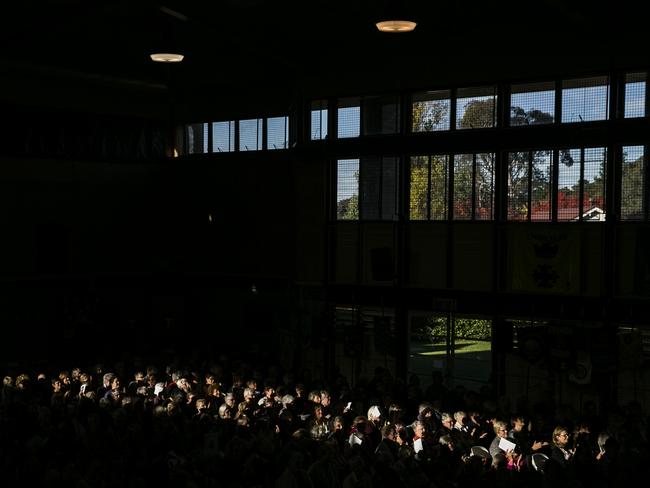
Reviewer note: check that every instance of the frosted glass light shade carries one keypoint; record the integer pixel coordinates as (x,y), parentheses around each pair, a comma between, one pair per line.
(396,26)
(167,57)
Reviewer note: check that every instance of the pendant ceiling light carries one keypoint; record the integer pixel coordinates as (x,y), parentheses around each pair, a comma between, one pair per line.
(167,57)
(396,25)
(395,18)
(168,24)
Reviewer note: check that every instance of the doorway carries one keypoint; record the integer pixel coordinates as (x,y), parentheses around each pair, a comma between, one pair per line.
(458,347)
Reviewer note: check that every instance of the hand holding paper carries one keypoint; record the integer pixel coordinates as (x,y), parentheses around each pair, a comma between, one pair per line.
(417,445)
(506,445)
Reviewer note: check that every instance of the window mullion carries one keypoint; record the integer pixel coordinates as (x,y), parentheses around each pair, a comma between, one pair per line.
(555,170)
(581,185)
(450,200)
(530,185)
(429,163)
(646,181)
(473,215)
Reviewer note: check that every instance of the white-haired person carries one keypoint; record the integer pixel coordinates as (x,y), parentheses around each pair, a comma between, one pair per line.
(375,423)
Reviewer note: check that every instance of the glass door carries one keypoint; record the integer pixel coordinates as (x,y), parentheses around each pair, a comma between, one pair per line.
(458,348)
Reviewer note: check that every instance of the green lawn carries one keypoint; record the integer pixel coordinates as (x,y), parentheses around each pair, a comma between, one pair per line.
(462,346)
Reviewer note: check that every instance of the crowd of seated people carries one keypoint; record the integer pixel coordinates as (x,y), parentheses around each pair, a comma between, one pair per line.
(233,424)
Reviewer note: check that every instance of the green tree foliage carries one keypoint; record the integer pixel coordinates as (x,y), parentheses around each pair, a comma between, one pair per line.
(478,113)
(473,329)
(348,208)
(523,166)
(430,115)
(463,175)
(429,180)
(518,116)
(434,328)
(632,188)
(429,176)
(419,188)
(594,190)
(484,186)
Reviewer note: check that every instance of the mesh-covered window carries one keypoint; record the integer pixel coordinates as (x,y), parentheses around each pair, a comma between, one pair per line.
(277,132)
(518,186)
(593,184)
(532,104)
(223,136)
(581,184)
(633,183)
(635,86)
(197,138)
(349,117)
(540,185)
(473,186)
(389,204)
(484,187)
(379,190)
(380,115)
(431,111)
(347,189)
(250,134)
(367,189)
(429,187)
(419,188)
(318,126)
(585,99)
(476,107)
(463,183)
(529,185)
(568,193)
(370,188)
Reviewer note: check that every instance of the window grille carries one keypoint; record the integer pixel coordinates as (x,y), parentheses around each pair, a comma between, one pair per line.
(581,184)
(635,95)
(349,118)
(250,134)
(429,187)
(633,183)
(197,138)
(529,185)
(367,189)
(277,133)
(380,115)
(585,99)
(532,104)
(318,125)
(473,186)
(430,111)
(223,136)
(347,189)
(476,107)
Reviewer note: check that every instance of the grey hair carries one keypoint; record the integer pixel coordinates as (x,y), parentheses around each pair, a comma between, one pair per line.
(445,440)
(603,437)
(446,416)
(374,412)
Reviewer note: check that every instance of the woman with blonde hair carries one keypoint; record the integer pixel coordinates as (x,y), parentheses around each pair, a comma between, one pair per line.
(560,450)
(559,468)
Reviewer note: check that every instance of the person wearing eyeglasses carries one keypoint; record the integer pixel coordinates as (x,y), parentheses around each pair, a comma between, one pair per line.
(560,450)
(510,458)
(559,468)
(501,431)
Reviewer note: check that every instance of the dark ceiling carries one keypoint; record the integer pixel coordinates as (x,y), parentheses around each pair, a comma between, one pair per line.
(322,47)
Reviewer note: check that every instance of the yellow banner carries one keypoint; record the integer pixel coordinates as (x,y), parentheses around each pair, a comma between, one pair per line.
(545,260)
